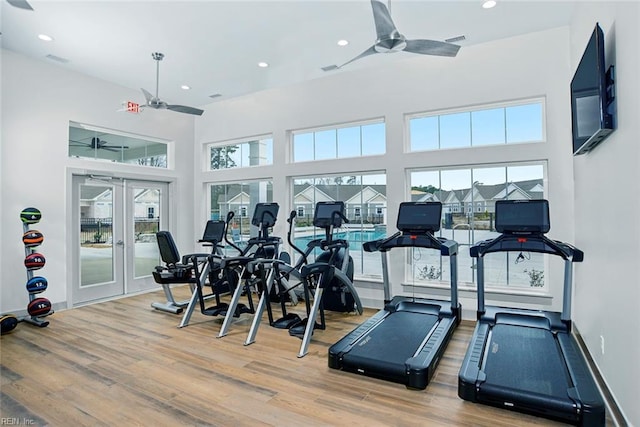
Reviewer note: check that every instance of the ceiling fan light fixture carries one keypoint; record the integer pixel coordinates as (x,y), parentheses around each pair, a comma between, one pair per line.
(185,87)
(343,42)
(488,4)
(45,37)
(263,64)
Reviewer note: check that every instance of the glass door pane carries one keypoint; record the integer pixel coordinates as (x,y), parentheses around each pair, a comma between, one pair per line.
(99,250)
(96,234)
(147,213)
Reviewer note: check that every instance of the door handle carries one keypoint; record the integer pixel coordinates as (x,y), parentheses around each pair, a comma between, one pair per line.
(120,243)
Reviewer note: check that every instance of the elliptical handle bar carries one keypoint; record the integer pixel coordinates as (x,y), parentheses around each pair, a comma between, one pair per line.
(230,216)
(340,214)
(290,220)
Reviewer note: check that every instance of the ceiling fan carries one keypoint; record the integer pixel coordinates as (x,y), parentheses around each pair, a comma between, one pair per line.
(99,144)
(156,103)
(390,40)
(22,4)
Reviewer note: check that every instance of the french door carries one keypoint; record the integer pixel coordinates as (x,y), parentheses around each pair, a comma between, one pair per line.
(115,249)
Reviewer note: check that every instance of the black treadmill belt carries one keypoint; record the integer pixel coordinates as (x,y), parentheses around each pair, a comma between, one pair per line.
(526,359)
(393,341)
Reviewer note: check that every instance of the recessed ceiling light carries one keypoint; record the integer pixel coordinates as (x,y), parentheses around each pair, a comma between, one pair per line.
(185,87)
(263,64)
(343,42)
(45,37)
(488,4)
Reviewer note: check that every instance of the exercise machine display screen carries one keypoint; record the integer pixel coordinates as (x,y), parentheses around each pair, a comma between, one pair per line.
(522,216)
(419,217)
(265,214)
(324,215)
(213,231)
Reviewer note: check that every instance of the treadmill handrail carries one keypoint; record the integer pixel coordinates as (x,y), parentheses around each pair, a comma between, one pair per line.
(446,247)
(529,243)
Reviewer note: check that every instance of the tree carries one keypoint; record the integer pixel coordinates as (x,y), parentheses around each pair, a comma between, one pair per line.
(221,157)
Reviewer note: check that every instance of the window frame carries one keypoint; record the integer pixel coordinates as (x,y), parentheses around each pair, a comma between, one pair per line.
(208,147)
(464,285)
(474,109)
(336,128)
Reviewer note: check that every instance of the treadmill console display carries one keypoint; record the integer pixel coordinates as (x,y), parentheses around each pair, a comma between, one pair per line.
(265,213)
(324,216)
(214,231)
(419,217)
(522,216)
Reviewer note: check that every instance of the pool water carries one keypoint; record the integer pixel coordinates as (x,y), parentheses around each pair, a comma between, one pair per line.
(355,238)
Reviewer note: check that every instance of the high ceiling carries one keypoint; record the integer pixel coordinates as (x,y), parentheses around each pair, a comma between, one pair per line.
(214,46)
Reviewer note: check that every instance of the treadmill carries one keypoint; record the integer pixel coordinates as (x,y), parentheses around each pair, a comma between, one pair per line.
(528,360)
(404,342)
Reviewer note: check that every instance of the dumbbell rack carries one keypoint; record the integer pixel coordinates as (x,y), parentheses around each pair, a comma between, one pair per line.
(33,320)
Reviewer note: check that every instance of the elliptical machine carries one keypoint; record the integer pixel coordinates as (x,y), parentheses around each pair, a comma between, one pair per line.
(207,271)
(263,246)
(280,283)
(330,277)
(328,280)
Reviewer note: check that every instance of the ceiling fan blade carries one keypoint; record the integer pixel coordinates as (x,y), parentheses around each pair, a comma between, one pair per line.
(78,144)
(367,52)
(382,18)
(115,150)
(432,47)
(147,96)
(22,4)
(185,109)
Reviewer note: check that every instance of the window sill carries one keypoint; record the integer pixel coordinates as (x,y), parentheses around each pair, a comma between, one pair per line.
(497,294)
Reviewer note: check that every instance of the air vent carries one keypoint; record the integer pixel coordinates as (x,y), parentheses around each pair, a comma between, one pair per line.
(455,39)
(215,95)
(57,59)
(330,68)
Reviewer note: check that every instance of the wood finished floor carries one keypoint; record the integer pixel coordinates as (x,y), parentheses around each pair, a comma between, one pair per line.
(123,363)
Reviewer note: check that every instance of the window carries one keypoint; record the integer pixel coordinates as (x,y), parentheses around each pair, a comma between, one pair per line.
(479,187)
(151,212)
(243,154)
(300,210)
(365,206)
(341,142)
(90,142)
(240,198)
(508,124)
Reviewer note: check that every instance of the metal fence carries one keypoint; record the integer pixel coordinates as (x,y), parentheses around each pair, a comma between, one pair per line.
(100,230)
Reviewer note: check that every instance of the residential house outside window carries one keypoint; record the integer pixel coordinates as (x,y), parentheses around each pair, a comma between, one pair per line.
(482,187)
(241,198)
(365,202)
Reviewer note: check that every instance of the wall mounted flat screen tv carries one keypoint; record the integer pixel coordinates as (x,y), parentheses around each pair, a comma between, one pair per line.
(591,97)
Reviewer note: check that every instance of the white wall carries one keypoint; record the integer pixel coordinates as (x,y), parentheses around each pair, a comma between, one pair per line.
(38,101)
(410,83)
(606,226)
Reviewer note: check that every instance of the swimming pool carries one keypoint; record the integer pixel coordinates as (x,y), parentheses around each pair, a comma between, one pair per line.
(355,238)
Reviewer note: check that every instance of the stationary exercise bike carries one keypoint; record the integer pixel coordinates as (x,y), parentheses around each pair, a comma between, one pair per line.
(179,269)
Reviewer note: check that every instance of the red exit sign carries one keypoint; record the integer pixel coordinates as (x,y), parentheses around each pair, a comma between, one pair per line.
(132,107)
